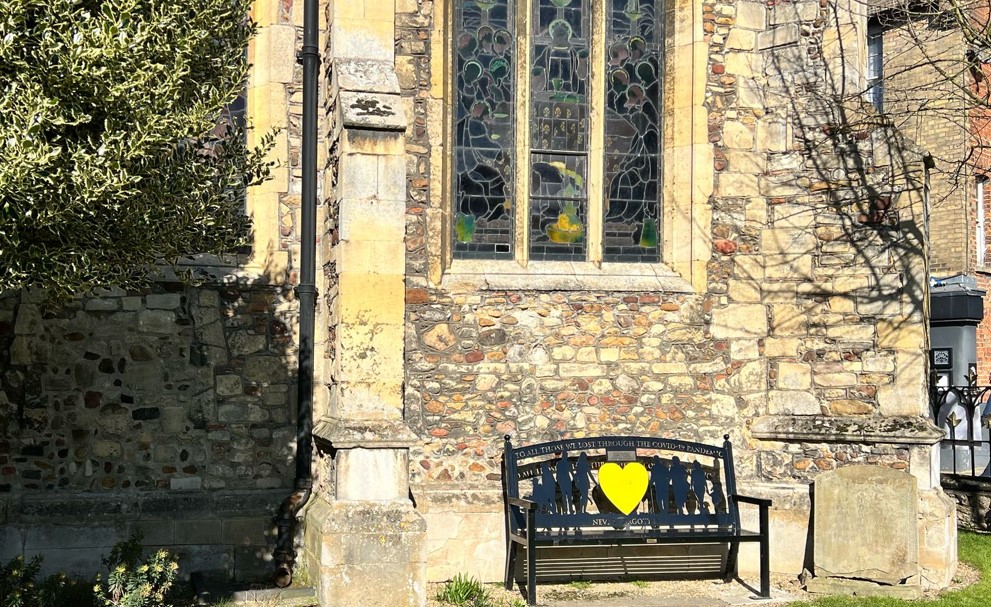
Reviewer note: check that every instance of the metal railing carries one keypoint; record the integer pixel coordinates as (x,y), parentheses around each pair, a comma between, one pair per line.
(964,413)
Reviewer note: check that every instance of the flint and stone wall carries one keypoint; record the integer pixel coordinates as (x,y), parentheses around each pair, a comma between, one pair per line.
(127,408)
(802,336)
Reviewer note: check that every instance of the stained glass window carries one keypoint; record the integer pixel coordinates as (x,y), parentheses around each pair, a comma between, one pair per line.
(483,134)
(632,142)
(561,112)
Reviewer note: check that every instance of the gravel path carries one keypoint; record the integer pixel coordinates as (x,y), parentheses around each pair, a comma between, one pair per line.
(694,593)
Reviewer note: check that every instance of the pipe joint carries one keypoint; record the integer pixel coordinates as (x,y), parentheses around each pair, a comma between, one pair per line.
(308,52)
(306,289)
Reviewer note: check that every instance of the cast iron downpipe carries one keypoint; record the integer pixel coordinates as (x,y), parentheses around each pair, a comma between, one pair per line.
(309,57)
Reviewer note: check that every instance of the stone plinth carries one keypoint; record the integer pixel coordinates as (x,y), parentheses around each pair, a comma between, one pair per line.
(366,553)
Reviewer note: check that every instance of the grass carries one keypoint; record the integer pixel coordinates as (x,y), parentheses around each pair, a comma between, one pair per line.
(640,583)
(464,591)
(974,549)
(579,584)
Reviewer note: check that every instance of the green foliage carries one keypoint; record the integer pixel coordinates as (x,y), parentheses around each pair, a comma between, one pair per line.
(133,583)
(110,154)
(464,591)
(19,587)
(640,583)
(974,549)
(580,585)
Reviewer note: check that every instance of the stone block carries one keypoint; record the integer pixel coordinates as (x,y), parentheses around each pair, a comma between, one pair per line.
(793,266)
(842,586)
(278,44)
(791,13)
(388,468)
(739,320)
(743,161)
(750,93)
(866,524)
(11,542)
(158,532)
(160,322)
(186,483)
(162,301)
(747,65)
(751,15)
(794,376)
(773,135)
(79,562)
(778,36)
(740,39)
(367,37)
(248,531)
(908,394)
(792,402)
(57,537)
(787,241)
(781,346)
(737,135)
(851,333)
(198,531)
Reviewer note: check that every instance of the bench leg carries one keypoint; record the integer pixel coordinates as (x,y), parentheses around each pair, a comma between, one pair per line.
(731,562)
(765,558)
(531,573)
(510,563)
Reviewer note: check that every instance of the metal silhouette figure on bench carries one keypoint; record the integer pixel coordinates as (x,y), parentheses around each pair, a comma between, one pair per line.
(583,482)
(564,484)
(679,484)
(660,480)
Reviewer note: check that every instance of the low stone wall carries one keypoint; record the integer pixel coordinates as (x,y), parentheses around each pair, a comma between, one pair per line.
(226,535)
(973,499)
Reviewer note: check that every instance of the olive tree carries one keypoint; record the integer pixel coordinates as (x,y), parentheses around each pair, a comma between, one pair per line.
(113,152)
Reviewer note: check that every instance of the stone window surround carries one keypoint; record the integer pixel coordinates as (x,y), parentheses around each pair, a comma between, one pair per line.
(687,160)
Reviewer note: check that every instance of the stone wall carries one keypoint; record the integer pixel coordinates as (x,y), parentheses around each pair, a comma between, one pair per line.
(808,314)
(972,496)
(176,388)
(173,393)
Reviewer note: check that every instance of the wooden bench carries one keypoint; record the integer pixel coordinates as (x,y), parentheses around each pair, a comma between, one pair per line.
(611,491)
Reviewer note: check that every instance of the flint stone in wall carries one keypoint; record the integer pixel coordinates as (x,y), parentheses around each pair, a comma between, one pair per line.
(866,521)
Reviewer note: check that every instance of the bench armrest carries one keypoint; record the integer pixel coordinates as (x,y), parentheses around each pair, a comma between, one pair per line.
(757,501)
(521,503)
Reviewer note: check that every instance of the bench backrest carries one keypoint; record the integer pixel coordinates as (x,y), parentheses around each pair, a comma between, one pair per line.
(623,482)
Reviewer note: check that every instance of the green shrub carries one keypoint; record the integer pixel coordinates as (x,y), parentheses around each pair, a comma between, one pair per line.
(132,583)
(464,591)
(19,587)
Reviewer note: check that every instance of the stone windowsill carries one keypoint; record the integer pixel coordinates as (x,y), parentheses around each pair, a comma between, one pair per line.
(467,275)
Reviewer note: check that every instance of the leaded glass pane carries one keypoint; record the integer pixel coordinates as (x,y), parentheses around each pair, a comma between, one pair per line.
(559,79)
(632,138)
(558,206)
(483,138)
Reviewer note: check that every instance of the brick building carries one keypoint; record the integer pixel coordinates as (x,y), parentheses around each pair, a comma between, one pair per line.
(583,218)
(946,116)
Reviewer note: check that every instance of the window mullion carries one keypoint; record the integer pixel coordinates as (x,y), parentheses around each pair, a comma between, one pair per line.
(521,195)
(596,148)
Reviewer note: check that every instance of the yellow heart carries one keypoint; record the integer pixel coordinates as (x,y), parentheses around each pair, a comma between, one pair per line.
(624,486)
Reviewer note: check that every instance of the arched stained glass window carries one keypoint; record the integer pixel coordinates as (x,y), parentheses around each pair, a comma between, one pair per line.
(557,143)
